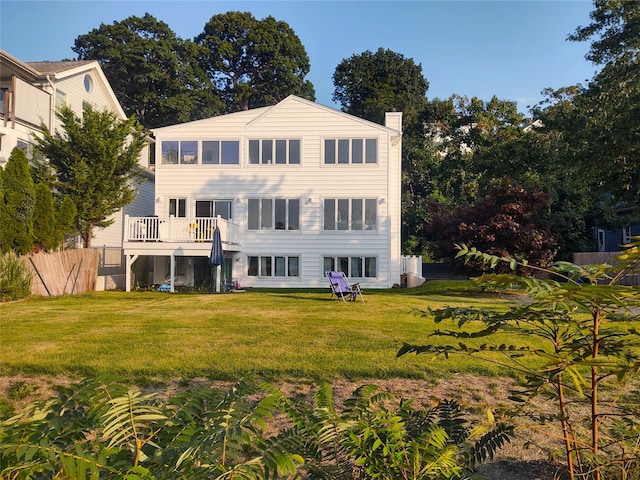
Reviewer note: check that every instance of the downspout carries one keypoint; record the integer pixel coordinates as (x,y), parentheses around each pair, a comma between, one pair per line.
(53,99)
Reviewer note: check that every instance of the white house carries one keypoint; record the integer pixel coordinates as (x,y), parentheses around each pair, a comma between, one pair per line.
(30,93)
(296,189)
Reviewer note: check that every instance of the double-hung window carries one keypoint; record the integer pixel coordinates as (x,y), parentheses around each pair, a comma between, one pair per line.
(274,214)
(353,267)
(350,213)
(273,266)
(344,151)
(274,152)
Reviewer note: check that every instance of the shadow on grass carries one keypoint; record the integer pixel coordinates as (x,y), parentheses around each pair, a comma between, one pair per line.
(450,288)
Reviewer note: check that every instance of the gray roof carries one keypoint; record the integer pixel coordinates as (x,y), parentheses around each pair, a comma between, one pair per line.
(57,67)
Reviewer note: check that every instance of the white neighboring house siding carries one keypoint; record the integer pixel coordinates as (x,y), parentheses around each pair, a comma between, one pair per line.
(311,182)
(141,206)
(50,79)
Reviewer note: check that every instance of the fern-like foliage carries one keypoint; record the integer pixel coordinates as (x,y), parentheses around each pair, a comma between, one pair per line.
(106,430)
(584,362)
(488,444)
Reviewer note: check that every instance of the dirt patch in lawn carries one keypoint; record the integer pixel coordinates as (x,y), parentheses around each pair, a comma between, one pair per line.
(525,458)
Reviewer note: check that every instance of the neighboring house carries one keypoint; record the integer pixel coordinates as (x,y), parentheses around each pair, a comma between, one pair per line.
(296,189)
(612,240)
(30,93)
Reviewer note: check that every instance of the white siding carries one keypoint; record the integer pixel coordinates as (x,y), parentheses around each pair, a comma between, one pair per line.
(73,85)
(142,206)
(312,181)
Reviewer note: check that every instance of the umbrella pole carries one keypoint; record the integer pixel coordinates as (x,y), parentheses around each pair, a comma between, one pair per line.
(218,272)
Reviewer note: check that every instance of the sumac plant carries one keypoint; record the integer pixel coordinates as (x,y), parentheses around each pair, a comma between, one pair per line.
(587,364)
(99,429)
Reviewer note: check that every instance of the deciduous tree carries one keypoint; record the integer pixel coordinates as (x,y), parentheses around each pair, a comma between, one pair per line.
(253,63)
(369,84)
(506,222)
(155,74)
(611,102)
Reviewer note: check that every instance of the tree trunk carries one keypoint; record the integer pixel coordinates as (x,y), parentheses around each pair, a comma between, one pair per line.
(86,237)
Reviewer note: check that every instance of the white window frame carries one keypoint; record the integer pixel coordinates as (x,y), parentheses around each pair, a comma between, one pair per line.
(339,145)
(626,234)
(350,224)
(338,262)
(195,156)
(601,239)
(177,201)
(61,98)
(88,83)
(266,220)
(220,151)
(180,152)
(272,260)
(266,145)
(213,203)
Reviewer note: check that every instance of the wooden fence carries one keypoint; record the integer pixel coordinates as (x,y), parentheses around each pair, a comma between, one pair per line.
(66,272)
(594,258)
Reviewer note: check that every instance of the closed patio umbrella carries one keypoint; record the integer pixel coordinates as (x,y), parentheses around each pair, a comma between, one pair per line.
(216,258)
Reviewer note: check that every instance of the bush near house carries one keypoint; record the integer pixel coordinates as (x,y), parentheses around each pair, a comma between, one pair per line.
(15,278)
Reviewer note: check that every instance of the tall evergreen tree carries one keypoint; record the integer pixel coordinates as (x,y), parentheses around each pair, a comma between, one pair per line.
(18,201)
(96,162)
(44,221)
(65,213)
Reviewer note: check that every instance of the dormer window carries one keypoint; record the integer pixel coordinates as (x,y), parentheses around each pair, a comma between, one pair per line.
(88,83)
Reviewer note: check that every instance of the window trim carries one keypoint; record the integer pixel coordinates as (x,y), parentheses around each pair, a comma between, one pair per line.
(273,161)
(272,217)
(177,200)
(335,261)
(338,152)
(272,262)
(199,152)
(626,234)
(61,98)
(88,83)
(350,209)
(212,205)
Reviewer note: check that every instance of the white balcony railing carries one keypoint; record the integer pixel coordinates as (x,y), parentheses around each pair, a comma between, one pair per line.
(181,229)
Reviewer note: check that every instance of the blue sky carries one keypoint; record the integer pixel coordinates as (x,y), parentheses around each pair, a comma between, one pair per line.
(512,49)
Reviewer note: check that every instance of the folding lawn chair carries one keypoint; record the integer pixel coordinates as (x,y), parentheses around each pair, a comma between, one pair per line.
(342,289)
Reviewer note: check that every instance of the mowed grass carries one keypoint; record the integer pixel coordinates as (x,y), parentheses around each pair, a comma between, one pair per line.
(272,335)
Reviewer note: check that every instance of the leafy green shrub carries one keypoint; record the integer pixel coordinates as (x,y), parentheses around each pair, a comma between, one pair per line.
(586,362)
(21,390)
(15,278)
(102,429)
(375,437)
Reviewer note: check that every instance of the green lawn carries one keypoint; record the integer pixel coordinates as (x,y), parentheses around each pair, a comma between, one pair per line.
(275,334)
